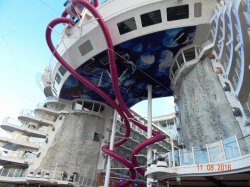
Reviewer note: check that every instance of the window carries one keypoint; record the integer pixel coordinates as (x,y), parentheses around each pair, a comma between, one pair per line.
(151,18)
(127,26)
(87,105)
(102,109)
(85,47)
(180,60)
(96,137)
(62,70)
(197,10)
(90,67)
(58,78)
(96,107)
(189,54)
(177,13)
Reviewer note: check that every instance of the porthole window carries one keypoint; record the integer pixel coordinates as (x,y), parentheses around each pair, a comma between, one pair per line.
(151,18)
(127,26)
(177,12)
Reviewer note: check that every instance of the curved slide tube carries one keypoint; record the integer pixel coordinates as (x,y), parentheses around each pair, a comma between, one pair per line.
(114,76)
(157,137)
(98,91)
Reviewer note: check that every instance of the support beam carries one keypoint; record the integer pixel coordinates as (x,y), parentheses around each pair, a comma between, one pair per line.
(149,131)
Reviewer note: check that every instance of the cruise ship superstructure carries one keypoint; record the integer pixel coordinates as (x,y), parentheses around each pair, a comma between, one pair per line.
(111,55)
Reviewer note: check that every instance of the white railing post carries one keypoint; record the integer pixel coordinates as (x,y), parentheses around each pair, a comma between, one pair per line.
(238,145)
(172,146)
(193,155)
(208,155)
(179,156)
(54,171)
(222,150)
(111,147)
(169,159)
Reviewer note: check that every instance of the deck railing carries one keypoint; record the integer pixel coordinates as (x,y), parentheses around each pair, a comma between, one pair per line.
(223,150)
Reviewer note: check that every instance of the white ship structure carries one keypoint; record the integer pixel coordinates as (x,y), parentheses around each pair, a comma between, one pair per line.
(111,55)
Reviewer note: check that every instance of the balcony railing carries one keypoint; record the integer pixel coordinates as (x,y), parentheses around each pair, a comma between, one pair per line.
(11,172)
(30,113)
(227,149)
(21,155)
(14,122)
(50,175)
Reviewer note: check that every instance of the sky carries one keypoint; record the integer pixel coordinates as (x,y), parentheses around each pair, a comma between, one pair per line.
(24,55)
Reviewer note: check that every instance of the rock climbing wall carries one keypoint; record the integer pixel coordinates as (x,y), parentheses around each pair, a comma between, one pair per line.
(73,149)
(205,113)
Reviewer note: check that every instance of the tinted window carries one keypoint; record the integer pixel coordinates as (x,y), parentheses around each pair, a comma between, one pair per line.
(87,105)
(62,70)
(189,54)
(96,107)
(127,26)
(151,18)
(58,78)
(177,13)
(85,47)
(180,60)
(197,10)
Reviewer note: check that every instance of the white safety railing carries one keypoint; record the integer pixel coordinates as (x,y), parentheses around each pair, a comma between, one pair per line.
(227,149)
(12,172)
(42,117)
(62,176)
(21,155)
(14,122)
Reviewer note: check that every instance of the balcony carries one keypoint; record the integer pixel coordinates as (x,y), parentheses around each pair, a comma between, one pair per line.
(186,59)
(29,116)
(14,158)
(18,142)
(11,125)
(46,177)
(230,155)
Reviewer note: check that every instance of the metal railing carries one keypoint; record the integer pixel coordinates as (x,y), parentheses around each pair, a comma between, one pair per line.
(21,155)
(223,150)
(12,172)
(15,122)
(12,121)
(31,113)
(48,174)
